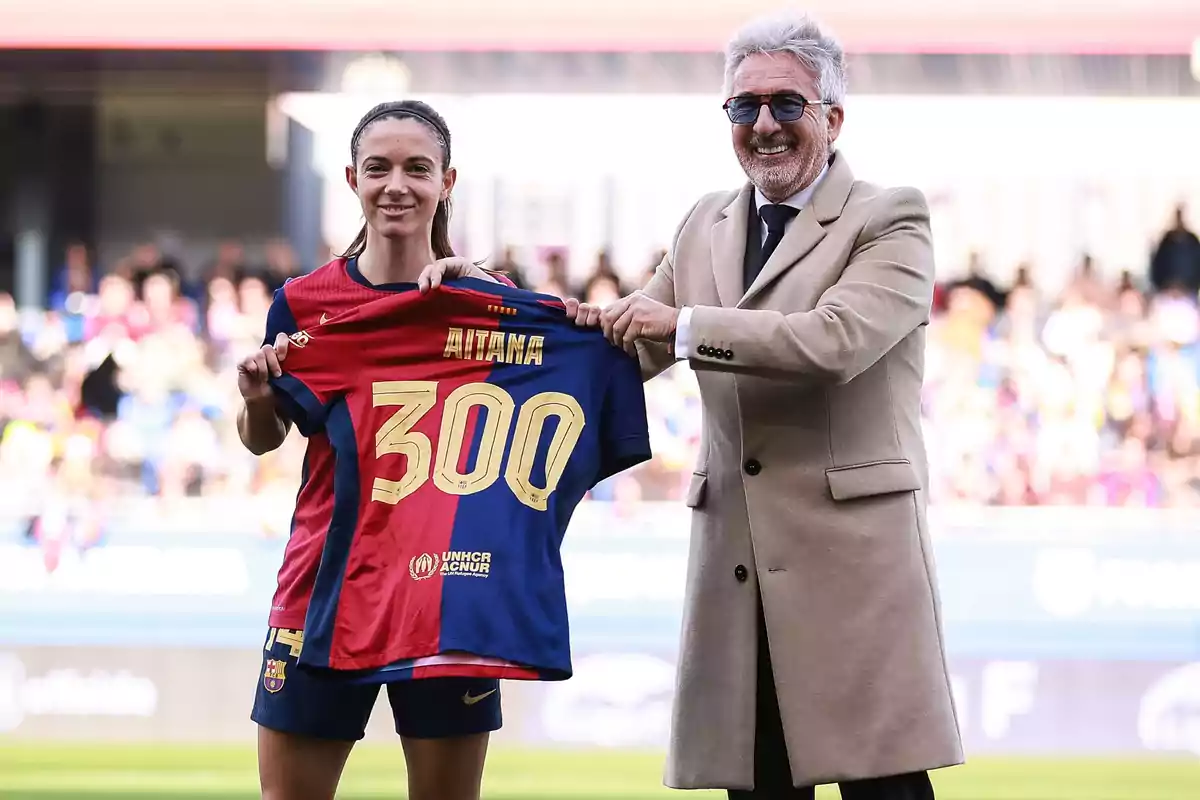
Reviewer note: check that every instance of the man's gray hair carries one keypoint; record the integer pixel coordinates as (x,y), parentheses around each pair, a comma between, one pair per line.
(798,34)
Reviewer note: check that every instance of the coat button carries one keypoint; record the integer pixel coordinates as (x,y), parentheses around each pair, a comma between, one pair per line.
(752,467)
(740,573)
(728,354)
(702,350)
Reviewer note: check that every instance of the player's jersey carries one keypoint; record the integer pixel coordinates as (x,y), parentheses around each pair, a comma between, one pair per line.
(467,423)
(303,303)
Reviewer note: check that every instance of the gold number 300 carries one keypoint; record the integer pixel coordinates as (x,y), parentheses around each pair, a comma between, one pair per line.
(416,398)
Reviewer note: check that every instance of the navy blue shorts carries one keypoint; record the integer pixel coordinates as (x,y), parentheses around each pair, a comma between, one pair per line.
(294,700)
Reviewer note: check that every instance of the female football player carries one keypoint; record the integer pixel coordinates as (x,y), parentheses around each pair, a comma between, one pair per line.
(400,170)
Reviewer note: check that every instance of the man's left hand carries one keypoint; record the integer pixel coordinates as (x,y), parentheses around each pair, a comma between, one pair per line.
(638,316)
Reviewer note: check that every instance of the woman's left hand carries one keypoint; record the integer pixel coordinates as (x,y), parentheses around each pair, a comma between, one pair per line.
(446,269)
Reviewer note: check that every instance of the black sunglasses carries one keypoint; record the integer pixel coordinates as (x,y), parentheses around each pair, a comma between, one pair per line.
(743,109)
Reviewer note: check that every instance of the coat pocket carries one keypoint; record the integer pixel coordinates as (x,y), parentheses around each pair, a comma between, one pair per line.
(872,478)
(697,490)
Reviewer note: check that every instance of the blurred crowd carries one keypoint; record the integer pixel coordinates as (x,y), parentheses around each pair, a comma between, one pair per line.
(125,386)
(1087,397)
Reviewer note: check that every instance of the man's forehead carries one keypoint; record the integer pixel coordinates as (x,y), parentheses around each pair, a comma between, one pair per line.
(766,73)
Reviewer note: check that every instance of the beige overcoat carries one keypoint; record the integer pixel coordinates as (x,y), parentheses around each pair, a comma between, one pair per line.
(809,488)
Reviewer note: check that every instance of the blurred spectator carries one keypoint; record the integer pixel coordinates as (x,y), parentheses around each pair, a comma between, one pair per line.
(604,285)
(556,281)
(604,268)
(16,360)
(1175,266)
(1088,285)
(223,316)
(74,286)
(602,290)
(978,281)
(163,307)
(230,261)
(282,264)
(509,265)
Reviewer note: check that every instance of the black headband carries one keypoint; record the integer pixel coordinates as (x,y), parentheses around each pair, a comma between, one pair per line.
(410,112)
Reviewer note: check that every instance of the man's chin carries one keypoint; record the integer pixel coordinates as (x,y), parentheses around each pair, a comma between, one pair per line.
(776,188)
(771,176)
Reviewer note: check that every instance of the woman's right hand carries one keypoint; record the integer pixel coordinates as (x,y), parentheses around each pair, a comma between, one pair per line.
(447,269)
(585,315)
(255,370)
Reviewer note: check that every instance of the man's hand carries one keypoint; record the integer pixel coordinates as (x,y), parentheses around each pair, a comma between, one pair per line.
(638,317)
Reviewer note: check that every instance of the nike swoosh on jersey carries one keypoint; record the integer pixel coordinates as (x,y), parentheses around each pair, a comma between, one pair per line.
(470,700)
(324,319)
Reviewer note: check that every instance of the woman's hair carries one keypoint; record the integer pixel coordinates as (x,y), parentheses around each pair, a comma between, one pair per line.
(424,114)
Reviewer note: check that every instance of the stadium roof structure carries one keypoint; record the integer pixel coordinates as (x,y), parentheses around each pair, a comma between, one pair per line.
(1133,27)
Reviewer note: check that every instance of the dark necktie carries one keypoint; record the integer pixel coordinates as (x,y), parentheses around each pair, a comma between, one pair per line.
(777,217)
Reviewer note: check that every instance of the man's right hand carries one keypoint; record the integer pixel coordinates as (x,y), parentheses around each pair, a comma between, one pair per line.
(255,370)
(585,315)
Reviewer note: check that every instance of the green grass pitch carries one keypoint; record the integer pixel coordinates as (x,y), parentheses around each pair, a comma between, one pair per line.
(151,772)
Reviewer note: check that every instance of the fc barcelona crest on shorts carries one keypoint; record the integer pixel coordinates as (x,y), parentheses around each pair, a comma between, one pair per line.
(273,676)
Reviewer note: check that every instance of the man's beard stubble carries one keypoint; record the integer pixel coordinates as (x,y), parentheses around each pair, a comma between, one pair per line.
(795,172)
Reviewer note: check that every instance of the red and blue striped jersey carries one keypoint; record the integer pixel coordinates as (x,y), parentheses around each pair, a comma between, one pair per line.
(302,303)
(467,424)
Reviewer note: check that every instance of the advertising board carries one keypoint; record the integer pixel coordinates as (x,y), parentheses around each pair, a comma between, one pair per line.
(1042,590)
(1066,633)
(617,698)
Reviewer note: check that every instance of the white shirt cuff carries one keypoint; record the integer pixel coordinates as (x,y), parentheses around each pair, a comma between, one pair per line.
(682,326)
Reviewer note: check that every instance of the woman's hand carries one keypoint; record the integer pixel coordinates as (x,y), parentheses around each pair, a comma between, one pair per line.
(585,315)
(255,370)
(447,269)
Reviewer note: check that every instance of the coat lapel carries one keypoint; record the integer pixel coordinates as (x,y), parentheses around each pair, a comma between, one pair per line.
(807,230)
(729,247)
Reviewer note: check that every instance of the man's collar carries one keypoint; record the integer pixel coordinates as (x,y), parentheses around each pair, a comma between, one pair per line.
(800,199)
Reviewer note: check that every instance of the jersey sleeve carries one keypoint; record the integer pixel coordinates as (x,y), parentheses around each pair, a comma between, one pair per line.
(315,374)
(625,436)
(280,318)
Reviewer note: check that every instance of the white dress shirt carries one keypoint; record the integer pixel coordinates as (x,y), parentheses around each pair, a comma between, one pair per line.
(796,201)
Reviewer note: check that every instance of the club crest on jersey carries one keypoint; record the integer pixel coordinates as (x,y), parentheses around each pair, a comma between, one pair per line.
(423,566)
(300,338)
(273,675)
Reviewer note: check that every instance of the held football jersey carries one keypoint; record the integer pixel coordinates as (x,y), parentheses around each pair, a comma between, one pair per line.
(303,302)
(467,424)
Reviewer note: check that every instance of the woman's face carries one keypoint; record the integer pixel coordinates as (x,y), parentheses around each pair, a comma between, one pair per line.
(399,178)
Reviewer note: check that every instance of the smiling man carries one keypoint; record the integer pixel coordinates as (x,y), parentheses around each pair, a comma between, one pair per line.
(811,649)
